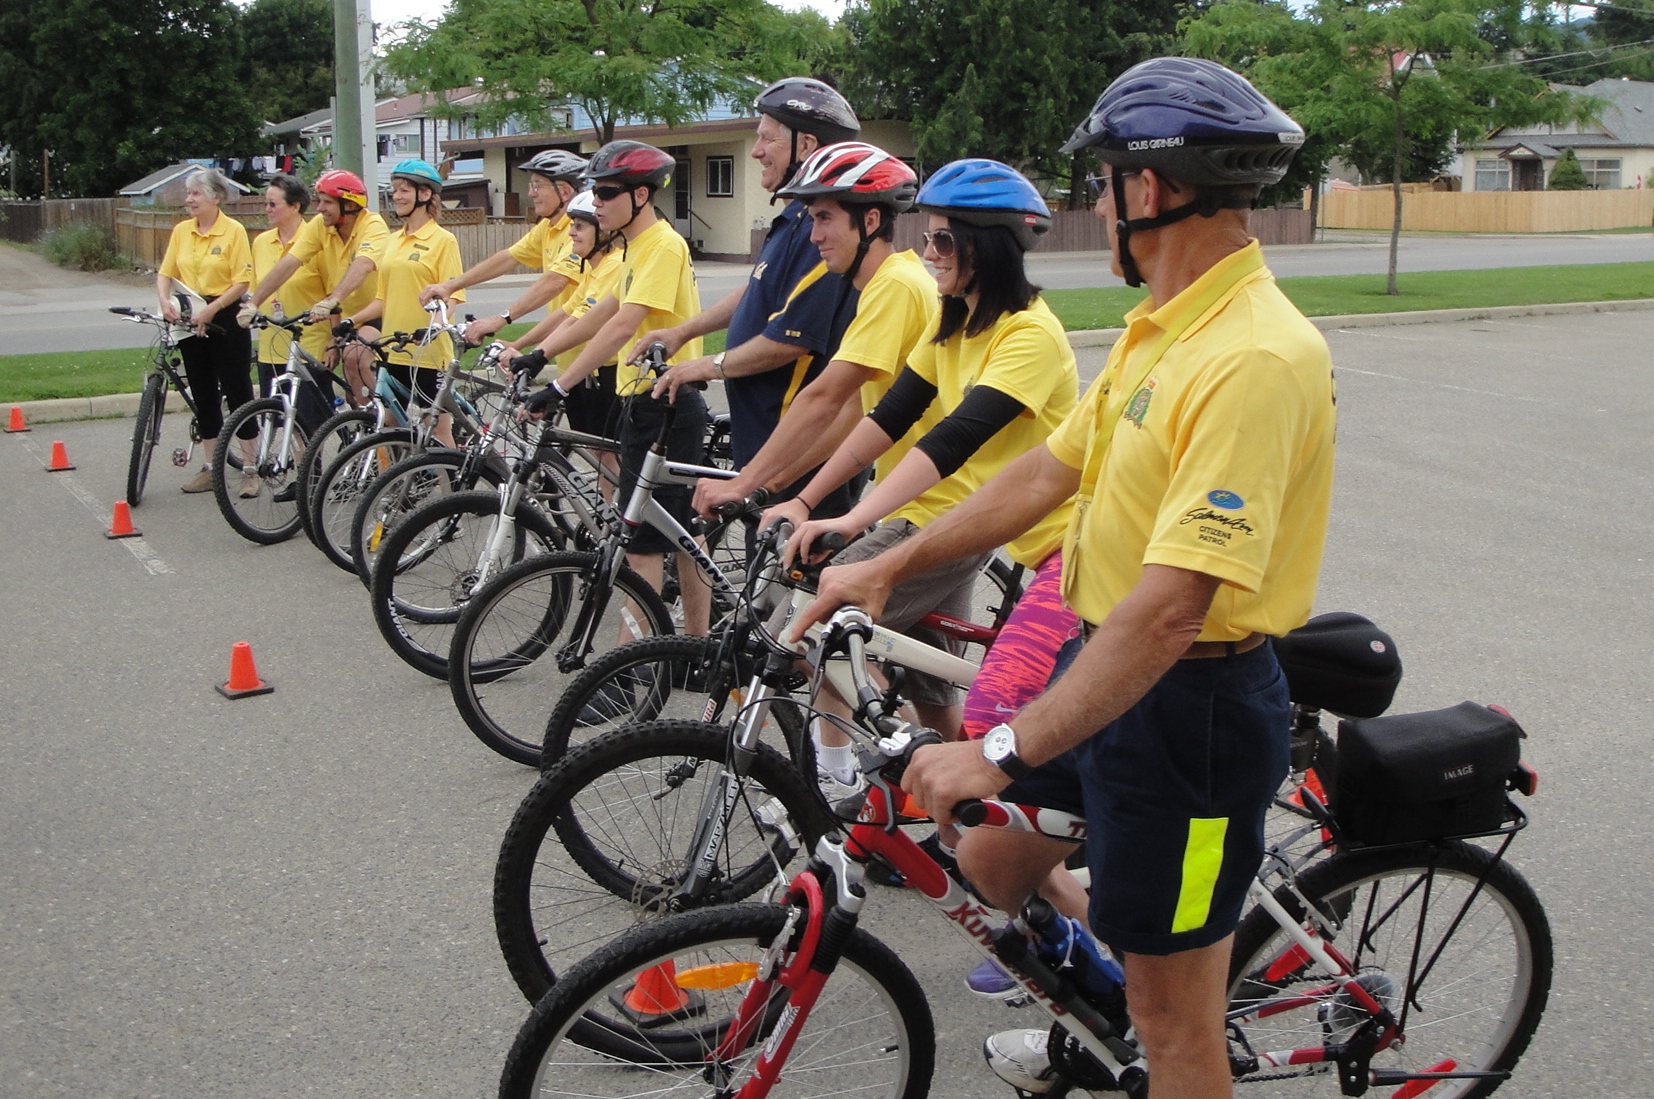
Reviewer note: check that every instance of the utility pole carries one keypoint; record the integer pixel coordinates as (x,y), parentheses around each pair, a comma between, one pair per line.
(354,141)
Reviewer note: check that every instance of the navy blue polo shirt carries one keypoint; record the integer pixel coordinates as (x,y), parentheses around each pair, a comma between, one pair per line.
(770,307)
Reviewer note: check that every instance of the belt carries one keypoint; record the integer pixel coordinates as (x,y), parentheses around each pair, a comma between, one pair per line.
(1203,650)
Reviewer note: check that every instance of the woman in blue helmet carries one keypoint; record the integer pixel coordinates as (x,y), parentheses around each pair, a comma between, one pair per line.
(422,253)
(991,379)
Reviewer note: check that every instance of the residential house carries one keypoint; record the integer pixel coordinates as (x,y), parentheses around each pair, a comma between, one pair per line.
(1617,151)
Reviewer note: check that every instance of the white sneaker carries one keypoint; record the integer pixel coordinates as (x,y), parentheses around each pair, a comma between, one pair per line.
(1019,1057)
(834,790)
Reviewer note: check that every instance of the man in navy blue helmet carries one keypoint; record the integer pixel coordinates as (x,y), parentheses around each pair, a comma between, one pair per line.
(1200,470)
(786,321)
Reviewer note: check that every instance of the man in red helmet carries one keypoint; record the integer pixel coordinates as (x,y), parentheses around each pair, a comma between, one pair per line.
(346,240)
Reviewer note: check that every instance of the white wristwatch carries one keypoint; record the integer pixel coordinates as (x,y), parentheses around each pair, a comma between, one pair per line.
(999,748)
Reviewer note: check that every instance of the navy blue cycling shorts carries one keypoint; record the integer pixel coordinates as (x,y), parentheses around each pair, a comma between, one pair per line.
(1174,794)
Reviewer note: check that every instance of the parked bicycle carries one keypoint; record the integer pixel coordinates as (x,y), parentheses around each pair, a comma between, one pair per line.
(166,371)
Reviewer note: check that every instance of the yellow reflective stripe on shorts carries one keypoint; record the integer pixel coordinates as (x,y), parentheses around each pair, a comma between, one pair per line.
(1202,860)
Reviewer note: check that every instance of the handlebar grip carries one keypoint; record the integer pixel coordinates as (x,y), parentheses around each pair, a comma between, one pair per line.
(123,310)
(729,509)
(832,542)
(971,812)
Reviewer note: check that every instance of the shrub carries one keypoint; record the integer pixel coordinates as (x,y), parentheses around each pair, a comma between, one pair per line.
(81,245)
(1567,175)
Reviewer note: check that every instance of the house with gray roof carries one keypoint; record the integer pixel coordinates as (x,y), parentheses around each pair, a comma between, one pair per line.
(1616,151)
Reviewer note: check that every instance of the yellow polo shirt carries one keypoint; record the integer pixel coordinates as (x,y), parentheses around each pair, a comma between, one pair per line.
(333,255)
(1025,356)
(546,248)
(655,272)
(896,309)
(593,285)
(411,261)
(209,263)
(1222,414)
(293,299)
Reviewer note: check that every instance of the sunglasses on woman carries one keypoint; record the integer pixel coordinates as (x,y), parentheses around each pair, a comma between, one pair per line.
(942,240)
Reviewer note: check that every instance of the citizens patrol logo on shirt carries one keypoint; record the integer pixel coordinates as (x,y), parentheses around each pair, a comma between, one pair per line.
(1138,407)
(1223,498)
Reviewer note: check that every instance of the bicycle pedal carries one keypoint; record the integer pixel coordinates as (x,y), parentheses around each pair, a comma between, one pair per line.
(180,457)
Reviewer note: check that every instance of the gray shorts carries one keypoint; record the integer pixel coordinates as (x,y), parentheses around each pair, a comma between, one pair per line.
(946,589)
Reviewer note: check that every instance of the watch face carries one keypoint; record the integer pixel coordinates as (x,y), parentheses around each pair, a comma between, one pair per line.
(999,743)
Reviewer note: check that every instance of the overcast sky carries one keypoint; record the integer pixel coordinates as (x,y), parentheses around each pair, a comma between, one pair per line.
(398,11)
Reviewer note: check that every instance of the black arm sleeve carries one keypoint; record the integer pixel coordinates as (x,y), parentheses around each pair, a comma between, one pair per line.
(903,403)
(978,418)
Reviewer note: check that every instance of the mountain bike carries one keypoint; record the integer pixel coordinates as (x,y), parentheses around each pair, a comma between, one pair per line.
(1422,966)
(166,370)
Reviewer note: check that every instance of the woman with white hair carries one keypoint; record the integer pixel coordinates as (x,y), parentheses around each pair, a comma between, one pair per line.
(209,264)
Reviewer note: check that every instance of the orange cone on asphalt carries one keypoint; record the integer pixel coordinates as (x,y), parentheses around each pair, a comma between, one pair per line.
(121,526)
(655,996)
(16,423)
(244,678)
(60,458)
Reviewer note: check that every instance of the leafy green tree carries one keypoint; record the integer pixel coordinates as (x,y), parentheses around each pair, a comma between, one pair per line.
(118,88)
(1385,84)
(289,56)
(1568,175)
(640,60)
(1007,79)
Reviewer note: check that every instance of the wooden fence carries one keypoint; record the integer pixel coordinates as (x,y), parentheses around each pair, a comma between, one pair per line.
(1489,211)
(24,222)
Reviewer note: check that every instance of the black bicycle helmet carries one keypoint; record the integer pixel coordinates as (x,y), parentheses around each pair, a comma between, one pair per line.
(630,164)
(811,107)
(555,164)
(1193,120)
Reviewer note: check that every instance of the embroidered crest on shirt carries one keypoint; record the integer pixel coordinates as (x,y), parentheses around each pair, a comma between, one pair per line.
(1138,406)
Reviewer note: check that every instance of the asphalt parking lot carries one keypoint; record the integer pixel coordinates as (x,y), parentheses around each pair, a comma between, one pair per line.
(289,895)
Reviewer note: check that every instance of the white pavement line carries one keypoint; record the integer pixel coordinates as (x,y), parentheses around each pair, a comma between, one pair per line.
(147,557)
(1438,385)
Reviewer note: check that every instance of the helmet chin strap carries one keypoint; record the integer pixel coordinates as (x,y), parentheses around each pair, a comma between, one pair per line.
(1124,226)
(793,164)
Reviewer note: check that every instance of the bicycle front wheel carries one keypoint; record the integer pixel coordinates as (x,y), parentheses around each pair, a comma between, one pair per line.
(397,492)
(338,432)
(511,659)
(869,1032)
(1467,930)
(263,509)
(432,563)
(146,433)
(608,834)
(346,479)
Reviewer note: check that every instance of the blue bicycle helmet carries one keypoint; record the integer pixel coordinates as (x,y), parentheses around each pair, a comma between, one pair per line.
(985,192)
(1193,120)
(418,172)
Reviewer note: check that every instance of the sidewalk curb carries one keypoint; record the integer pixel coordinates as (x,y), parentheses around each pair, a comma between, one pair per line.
(126,404)
(1105,337)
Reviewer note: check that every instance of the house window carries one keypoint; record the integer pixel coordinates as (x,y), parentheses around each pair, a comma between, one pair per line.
(405,144)
(720,176)
(1493,175)
(462,129)
(1603,174)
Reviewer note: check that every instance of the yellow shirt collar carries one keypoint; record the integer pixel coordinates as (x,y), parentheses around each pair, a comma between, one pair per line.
(219,227)
(424,232)
(1205,296)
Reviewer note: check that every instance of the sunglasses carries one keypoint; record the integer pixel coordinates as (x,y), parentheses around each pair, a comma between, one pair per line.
(1099,184)
(607,194)
(942,240)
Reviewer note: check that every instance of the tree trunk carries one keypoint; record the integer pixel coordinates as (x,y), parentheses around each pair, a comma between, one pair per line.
(1395,189)
(1315,211)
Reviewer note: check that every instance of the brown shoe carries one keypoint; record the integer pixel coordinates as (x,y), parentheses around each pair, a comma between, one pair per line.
(201,482)
(249,486)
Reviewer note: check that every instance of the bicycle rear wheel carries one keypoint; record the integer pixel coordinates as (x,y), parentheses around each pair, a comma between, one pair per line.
(431,564)
(608,833)
(1469,929)
(146,433)
(338,432)
(508,665)
(342,485)
(271,513)
(869,1032)
(402,489)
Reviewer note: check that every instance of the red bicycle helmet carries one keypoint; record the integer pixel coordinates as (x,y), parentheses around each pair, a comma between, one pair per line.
(855,173)
(343,185)
(631,164)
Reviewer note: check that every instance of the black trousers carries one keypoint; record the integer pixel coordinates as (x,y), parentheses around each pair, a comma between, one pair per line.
(219,368)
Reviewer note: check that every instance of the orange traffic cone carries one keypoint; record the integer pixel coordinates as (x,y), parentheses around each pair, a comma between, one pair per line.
(60,458)
(121,526)
(655,995)
(244,678)
(16,423)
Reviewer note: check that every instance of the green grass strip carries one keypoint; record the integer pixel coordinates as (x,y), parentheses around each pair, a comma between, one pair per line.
(95,373)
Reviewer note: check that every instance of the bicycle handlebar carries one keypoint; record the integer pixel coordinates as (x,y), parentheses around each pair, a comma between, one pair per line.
(729,509)
(971,812)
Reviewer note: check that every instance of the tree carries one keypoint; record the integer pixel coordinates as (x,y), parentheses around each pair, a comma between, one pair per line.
(289,56)
(618,60)
(118,88)
(1568,175)
(1389,85)
(1007,79)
